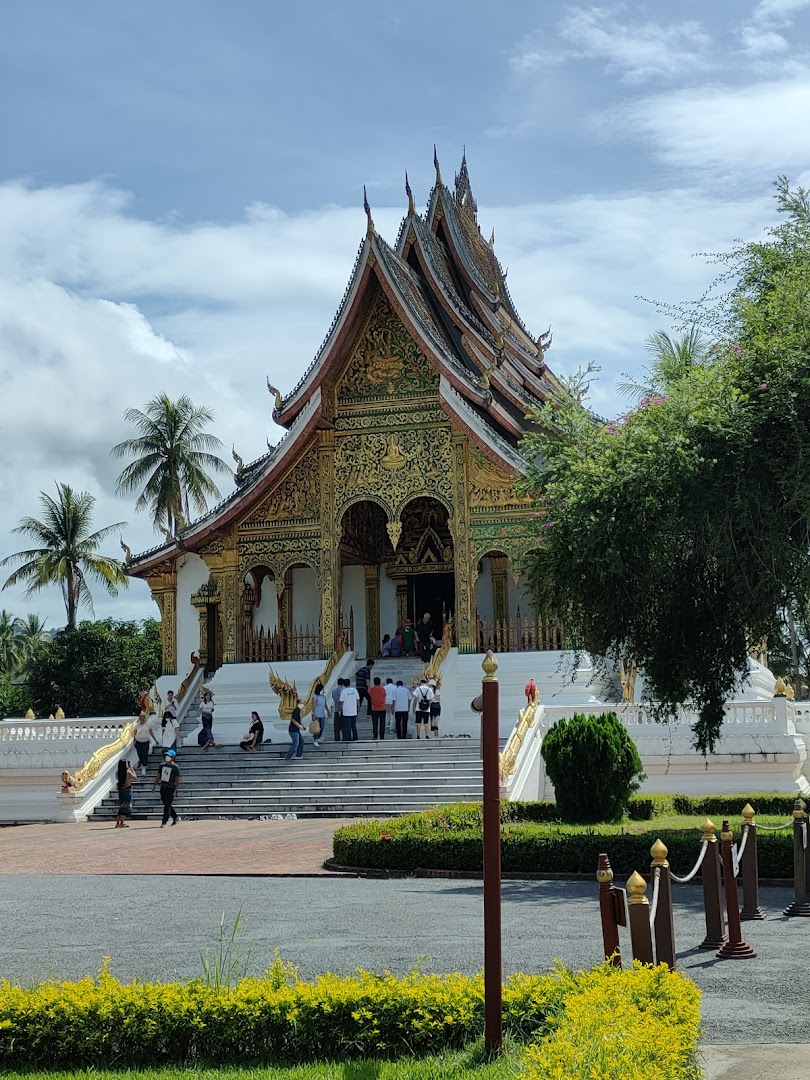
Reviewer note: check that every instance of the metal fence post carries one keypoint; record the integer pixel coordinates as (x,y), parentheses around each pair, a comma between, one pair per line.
(493,964)
(612,916)
(712,890)
(749,869)
(664,926)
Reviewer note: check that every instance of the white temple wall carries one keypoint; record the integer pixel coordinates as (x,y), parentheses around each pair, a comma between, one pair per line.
(388,604)
(265,613)
(353,595)
(306,602)
(192,573)
(483,591)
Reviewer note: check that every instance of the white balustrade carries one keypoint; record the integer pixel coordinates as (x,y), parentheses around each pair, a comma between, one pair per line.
(100,730)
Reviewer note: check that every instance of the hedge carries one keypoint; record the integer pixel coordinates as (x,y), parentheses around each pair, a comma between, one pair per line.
(102,1022)
(449,838)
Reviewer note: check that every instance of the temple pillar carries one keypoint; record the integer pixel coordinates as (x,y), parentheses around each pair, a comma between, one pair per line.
(329,554)
(284,618)
(373,636)
(402,599)
(163,586)
(460,529)
(500,587)
(206,601)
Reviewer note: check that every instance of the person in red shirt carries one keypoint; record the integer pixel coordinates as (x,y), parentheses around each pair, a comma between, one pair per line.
(377,695)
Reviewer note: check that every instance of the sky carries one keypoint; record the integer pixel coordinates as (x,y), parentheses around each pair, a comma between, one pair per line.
(181,194)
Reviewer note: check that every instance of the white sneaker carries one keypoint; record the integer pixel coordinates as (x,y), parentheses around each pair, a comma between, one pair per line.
(316,743)
(178,818)
(163,824)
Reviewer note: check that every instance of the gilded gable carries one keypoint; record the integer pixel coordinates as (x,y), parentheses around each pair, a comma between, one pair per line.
(296,498)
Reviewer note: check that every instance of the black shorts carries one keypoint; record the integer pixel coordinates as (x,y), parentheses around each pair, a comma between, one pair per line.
(422,717)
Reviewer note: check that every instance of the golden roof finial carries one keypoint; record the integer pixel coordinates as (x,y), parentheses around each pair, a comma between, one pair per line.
(271,389)
(370,229)
(659,853)
(492,240)
(409,193)
(439,180)
(240,465)
(748,814)
(127,550)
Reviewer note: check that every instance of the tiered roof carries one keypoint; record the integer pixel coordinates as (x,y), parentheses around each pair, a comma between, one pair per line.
(446,284)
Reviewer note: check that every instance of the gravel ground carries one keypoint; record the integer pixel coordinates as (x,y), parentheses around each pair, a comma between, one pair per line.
(155,928)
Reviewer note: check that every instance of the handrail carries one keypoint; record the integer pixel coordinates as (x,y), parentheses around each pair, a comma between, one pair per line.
(288,692)
(196,664)
(526,719)
(432,670)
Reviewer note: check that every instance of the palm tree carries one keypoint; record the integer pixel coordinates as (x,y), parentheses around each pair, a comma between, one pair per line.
(68,552)
(32,632)
(11,646)
(173,454)
(672,360)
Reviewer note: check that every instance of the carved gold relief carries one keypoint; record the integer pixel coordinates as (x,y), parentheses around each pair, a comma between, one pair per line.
(296,497)
(491,486)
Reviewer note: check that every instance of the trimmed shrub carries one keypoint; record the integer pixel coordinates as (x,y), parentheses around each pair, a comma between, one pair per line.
(101,1022)
(594,767)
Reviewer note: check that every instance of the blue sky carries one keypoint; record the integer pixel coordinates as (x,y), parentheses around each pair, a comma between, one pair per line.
(181,187)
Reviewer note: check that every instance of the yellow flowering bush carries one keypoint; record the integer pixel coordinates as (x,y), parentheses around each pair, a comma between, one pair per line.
(635,1024)
(102,1022)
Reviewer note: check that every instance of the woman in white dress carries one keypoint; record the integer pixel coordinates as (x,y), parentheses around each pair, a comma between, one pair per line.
(169,732)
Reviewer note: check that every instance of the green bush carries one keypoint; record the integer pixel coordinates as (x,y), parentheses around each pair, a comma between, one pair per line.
(594,767)
(101,1022)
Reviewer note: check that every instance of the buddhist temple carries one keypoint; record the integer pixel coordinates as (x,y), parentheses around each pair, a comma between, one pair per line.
(393,490)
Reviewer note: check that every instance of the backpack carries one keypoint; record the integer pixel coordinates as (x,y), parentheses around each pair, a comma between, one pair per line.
(424,704)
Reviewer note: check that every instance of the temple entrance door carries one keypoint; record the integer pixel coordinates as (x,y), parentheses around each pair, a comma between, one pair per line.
(214,635)
(435,593)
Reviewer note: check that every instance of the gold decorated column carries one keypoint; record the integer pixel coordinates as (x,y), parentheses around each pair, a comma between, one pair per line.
(163,586)
(460,528)
(373,637)
(329,555)
(499,566)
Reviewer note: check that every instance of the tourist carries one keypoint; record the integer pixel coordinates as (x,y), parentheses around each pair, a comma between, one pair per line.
(396,644)
(170,731)
(422,699)
(205,737)
(171,704)
(255,736)
(424,632)
(296,730)
(377,696)
(319,711)
(389,705)
(126,774)
(169,779)
(435,709)
(385,649)
(402,704)
(337,690)
(143,738)
(408,639)
(349,705)
(361,677)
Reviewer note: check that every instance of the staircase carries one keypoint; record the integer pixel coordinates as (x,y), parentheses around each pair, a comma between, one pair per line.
(360,779)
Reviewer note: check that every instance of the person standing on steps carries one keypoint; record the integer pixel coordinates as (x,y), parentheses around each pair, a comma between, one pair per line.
(361,678)
(319,711)
(389,706)
(402,704)
(168,777)
(169,730)
(171,705)
(349,704)
(337,690)
(377,698)
(408,639)
(424,632)
(435,709)
(126,774)
(296,730)
(205,738)
(143,738)
(422,698)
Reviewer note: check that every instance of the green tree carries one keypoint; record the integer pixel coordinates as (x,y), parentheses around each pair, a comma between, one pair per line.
(673,359)
(67,555)
(173,457)
(32,634)
(97,669)
(594,767)
(677,535)
(11,644)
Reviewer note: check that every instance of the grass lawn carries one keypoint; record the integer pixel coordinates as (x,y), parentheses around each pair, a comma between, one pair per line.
(466,1065)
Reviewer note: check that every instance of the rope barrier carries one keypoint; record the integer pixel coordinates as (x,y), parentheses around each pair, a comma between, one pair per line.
(654,904)
(696,867)
(776,828)
(743,842)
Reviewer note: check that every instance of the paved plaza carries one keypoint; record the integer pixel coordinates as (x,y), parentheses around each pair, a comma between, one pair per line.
(70,895)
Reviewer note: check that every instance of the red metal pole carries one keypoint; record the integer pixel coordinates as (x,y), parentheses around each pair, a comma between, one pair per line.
(493,965)
(735,948)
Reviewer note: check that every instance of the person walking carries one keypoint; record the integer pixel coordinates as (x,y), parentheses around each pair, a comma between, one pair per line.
(169,730)
(402,704)
(143,739)
(205,737)
(408,639)
(337,690)
(319,711)
(422,698)
(349,705)
(377,697)
(168,776)
(126,774)
(389,705)
(296,730)
(435,709)
(361,678)
(171,705)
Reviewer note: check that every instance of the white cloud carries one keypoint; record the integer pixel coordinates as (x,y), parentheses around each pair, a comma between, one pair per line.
(752,130)
(759,37)
(638,52)
(100,310)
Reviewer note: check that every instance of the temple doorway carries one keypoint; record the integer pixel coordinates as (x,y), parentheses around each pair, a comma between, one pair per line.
(422,566)
(436,594)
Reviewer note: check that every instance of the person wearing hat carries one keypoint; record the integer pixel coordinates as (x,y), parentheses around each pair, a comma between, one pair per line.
(168,777)
(435,709)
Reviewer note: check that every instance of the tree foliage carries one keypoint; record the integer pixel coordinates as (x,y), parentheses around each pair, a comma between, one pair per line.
(174,455)
(594,767)
(676,536)
(96,669)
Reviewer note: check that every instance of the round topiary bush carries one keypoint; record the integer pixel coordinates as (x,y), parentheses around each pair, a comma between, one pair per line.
(594,767)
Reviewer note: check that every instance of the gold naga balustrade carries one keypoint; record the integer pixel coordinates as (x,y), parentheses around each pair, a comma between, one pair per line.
(90,770)
(432,670)
(526,719)
(288,692)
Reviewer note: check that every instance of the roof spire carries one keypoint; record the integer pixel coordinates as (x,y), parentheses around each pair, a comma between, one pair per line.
(492,239)
(464,195)
(439,180)
(370,229)
(409,193)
